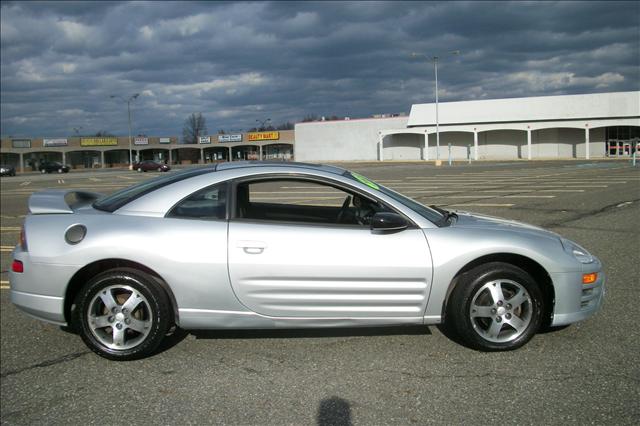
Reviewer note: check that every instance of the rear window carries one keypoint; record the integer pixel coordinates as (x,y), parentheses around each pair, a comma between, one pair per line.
(118,199)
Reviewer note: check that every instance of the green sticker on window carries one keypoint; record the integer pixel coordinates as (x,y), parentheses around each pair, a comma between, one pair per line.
(364,180)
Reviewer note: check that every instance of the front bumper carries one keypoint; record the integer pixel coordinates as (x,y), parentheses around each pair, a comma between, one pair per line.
(575,301)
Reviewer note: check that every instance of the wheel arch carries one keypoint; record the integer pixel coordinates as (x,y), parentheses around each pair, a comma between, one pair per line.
(90,270)
(533,268)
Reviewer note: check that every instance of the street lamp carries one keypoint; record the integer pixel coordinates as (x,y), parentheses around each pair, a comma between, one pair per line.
(435,68)
(77,130)
(263,123)
(128,101)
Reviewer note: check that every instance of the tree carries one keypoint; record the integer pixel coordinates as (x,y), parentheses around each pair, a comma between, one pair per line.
(285,126)
(103,133)
(194,126)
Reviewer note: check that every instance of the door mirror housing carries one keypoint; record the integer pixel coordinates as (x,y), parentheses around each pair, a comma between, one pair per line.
(388,223)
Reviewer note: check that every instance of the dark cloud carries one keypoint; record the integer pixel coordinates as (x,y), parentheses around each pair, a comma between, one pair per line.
(238,62)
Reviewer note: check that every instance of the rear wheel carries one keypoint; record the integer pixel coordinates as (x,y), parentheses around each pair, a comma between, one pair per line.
(122,315)
(496,307)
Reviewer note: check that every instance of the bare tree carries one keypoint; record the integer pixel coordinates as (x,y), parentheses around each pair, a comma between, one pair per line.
(194,126)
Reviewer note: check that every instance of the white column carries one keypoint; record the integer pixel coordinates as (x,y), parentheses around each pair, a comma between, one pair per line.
(201,155)
(380,139)
(64,158)
(426,146)
(170,157)
(475,144)
(260,154)
(586,142)
(529,144)
(21,162)
(101,159)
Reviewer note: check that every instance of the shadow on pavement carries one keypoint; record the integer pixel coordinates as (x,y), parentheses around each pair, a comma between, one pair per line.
(334,411)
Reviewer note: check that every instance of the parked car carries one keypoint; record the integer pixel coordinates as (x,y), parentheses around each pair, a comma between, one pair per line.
(53,166)
(145,166)
(6,170)
(285,245)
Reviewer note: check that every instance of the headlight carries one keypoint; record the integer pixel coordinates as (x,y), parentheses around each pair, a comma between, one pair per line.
(2,170)
(580,253)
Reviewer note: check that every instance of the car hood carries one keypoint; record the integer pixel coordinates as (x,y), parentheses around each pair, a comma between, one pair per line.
(473,220)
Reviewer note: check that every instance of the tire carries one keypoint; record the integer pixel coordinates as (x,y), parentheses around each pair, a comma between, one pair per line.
(495,307)
(114,330)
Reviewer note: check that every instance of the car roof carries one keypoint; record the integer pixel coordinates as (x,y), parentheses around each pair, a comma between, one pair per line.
(281,164)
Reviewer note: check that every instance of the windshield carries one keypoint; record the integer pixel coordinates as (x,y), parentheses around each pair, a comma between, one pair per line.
(424,211)
(118,199)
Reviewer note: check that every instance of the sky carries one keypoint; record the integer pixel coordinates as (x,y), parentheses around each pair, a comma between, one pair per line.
(238,62)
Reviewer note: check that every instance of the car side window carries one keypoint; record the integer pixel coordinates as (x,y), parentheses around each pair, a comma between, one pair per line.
(306,201)
(208,204)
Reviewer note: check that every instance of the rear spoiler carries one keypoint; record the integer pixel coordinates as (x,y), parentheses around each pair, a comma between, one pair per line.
(60,201)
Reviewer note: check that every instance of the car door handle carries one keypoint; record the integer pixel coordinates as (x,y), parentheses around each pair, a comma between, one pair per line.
(252,247)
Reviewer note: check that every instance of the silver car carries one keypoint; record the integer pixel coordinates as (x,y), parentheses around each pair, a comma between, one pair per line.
(282,245)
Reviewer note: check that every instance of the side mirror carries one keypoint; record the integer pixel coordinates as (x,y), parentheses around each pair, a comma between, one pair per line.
(387,223)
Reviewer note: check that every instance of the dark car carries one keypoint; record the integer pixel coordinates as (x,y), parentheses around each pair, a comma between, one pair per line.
(53,166)
(6,170)
(145,166)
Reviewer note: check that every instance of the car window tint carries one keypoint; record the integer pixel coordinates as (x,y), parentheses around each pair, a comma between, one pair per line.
(118,199)
(293,200)
(208,204)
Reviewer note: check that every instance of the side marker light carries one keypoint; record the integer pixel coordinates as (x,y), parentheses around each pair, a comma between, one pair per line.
(17,266)
(589,278)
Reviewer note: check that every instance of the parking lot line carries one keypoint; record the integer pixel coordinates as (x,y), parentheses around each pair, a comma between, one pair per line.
(9,228)
(480,205)
(4,285)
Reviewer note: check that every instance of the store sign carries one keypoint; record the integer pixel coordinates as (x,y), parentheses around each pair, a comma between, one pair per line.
(98,141)
(264,136)
(204,139)
(141,141)
(165,140)
(21,143)
(230,138)
(54,142)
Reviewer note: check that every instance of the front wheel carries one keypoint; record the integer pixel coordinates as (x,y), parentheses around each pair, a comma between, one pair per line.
(122,315)
(496,307)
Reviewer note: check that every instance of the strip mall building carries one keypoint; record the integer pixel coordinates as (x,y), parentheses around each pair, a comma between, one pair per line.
(550,127)
(574,126)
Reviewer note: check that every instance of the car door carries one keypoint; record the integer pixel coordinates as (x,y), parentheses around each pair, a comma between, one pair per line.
(289,256)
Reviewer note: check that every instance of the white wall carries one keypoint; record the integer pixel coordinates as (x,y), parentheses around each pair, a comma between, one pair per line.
(351,140)
(567,107)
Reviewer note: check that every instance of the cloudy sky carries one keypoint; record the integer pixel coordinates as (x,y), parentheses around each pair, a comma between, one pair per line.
(240,62)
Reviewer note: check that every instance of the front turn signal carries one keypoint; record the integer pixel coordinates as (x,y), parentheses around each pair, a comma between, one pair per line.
(589,278)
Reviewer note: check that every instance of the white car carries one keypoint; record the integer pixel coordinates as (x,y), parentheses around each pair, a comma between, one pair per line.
(283,245)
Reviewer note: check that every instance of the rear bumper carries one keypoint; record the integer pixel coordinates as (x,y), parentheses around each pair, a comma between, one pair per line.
(39,291)
(45,308)
(575,301)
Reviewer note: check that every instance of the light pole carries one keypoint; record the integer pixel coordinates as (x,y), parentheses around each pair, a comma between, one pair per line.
(128,101)
(435,69)
(263,123)
(77,130)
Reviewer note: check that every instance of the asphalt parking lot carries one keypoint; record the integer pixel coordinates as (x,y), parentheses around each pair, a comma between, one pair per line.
(583,374)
